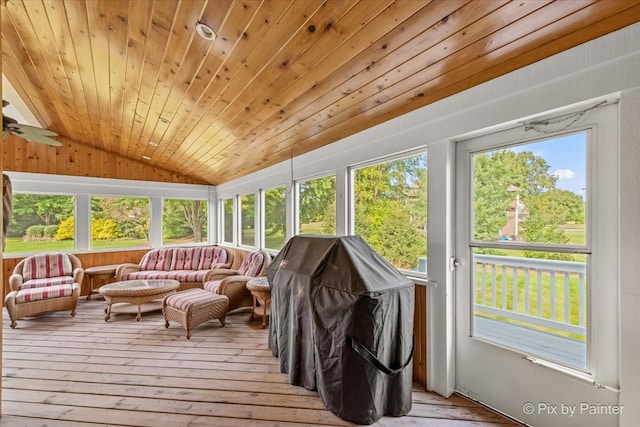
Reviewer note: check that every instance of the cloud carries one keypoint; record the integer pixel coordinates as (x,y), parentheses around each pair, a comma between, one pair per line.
(564,174)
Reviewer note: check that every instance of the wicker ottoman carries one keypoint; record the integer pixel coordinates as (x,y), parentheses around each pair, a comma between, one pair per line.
(194,306)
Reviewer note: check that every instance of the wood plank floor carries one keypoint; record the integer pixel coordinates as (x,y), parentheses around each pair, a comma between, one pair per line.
(83,371)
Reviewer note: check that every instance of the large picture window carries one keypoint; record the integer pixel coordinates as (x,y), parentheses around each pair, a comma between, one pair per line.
(184,221)
(390,210)
(274,218)
(317,206)
(119,222)
(41,222)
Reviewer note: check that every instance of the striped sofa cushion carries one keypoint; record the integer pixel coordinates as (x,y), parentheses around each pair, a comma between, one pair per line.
(47,265)
(252,264)
(179,275)
(48,292)
(185,258)
(52,281)
(211,256)
(156,259)
(185,299)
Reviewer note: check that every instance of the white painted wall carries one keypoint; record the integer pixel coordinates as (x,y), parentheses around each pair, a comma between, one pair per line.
(605,66)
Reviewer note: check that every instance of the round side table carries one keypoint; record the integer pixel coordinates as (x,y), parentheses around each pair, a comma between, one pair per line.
(261,292)
(105,272)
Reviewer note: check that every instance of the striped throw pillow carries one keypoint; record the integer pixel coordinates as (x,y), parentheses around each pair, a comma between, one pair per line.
(47,265)
(156,259)
(185,258)
(211,256)
(251,265)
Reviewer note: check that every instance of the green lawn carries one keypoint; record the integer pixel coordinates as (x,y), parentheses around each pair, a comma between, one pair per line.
(17,245)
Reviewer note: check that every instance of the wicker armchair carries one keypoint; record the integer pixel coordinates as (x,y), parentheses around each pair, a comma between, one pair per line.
(42,283)
(233,283)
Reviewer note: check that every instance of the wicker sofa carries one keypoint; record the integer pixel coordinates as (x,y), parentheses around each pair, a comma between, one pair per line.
(191,266)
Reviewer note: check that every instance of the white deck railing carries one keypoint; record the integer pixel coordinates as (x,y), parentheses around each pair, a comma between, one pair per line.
(529,273)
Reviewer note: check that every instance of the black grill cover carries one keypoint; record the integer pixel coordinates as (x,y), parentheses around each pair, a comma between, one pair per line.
(342,323)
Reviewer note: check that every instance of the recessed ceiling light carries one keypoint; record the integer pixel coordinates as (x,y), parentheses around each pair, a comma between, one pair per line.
(153,144)
(205,31)
(163,120)
(146,157)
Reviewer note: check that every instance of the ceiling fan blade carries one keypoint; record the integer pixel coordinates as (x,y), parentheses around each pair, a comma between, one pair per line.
(7,120)
(39,138)
(17,127)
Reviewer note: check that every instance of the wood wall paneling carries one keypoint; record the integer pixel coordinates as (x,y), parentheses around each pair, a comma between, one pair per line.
(76,159)
(420,334)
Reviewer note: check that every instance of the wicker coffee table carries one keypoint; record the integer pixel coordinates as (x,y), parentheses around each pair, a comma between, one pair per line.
(136,296)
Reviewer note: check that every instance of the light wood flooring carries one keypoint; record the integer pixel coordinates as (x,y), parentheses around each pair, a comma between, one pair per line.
(83,371)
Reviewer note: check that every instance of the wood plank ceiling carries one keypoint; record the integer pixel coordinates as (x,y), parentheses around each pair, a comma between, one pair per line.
(282,77)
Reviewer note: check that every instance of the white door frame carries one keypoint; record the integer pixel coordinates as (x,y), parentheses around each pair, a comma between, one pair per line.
(503,378)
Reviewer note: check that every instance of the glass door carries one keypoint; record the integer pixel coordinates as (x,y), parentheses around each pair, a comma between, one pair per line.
(536,289)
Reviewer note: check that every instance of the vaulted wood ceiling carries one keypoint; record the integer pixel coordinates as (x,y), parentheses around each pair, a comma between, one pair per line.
(282,77)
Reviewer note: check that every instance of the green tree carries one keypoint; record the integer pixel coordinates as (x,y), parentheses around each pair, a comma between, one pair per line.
(50,209)
(228,220)
(274,211)
(184,218)
(247,215)
(131,214)
(498,177)
(538,229)
(391,209)
(562,207)
(315,196)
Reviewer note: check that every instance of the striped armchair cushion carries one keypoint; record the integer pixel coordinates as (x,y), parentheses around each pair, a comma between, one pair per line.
(156,259)
(251,265)
(47,265)
(48,292)
(51,281)
(211,256)
(185,258)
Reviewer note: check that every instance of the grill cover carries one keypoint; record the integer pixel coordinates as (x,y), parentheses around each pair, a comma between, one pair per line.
(342,323)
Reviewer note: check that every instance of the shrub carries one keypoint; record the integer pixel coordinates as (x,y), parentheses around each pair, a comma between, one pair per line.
(50,231)
(104,229)
(35,232)
(66,229)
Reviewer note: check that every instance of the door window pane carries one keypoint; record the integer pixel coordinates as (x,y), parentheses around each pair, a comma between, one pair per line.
(526,298)
(40,223)
(227,221)
(390,210)
(532,193)
(317,206)
(119,222)
(274,218)
(184,221)
(247,219)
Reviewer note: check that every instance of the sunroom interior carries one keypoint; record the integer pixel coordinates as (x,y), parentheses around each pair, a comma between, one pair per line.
(280,124)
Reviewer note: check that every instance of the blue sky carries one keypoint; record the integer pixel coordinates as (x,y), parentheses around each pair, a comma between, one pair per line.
(566,157)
